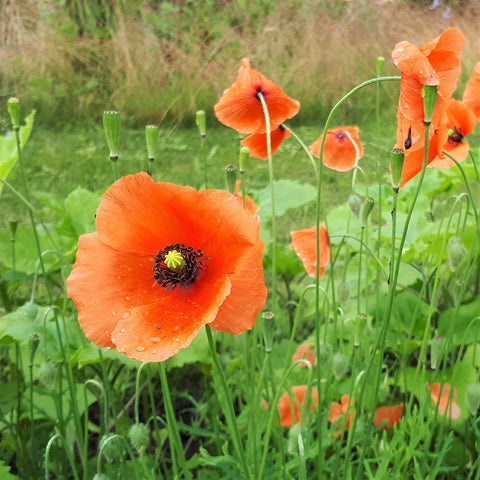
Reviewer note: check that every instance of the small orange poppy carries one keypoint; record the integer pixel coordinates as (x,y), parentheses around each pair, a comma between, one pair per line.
(342,149)
(165,261)
(306,352)
(471,94)
(241,109)
(437,63)
(286,404)
(339,410)
(257,142)
(388,416)
(304,242)
(444,400)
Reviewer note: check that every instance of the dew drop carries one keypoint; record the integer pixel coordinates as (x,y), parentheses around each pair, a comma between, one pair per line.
(177,340)
(400,49)
(125,315)
(155,339)
(127,298)
(176,329)
(140,349)
(114,313)
(154,351)
(122,330)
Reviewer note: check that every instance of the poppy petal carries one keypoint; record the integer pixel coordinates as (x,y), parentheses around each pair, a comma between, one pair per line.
(471,94)
(287,404)
(388,414)
(304,242)
(257,142)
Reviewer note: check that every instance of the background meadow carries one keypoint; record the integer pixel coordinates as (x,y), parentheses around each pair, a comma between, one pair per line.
(68,408)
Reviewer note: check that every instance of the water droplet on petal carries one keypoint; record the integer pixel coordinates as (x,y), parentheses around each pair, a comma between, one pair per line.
(154,351)
(114,313)
(140,349)
(176,329)
(177,340)
(122,330)
(155,339)
(127,298)
(125,315)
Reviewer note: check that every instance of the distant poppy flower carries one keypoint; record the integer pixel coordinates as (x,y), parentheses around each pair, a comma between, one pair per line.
(471,94)
(241,109)
(338,412)
(342,149)
(461,122)
(437,63)
(388,416)
(304,242)
(306,351)
(287,405)
(444,400)
(257,142)
(165,261)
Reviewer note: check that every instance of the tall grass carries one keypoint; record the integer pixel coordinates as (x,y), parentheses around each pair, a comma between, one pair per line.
(160,60)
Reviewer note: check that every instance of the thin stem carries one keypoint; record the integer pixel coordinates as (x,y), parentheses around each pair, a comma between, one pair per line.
(305,148)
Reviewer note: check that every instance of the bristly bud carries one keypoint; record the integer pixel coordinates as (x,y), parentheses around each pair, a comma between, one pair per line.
(366,210)
(151,138)
(339,365)
(112,447)
(380,66)
(139,436)
(268,330)
(242,158)
(429,94)
(355,204)
(473,398)
(111,127)
(397,158)
(456,253)
(48,375)
(201,121)
(14,112)
(231,175)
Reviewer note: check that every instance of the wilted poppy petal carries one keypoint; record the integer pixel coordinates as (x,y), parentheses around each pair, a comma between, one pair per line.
(471,94)
(304,242)
(388,416)
(286,404)
(240,108)
(257,142)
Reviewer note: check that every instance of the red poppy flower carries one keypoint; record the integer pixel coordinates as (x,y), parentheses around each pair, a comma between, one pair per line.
(241,109)
(306,352)
(304,242)
(444,400)
(342,149)
(286,404)
(471,94)
(338,412)
(436,63)
(165,261)
(388,416)
(257,142)
(461,122)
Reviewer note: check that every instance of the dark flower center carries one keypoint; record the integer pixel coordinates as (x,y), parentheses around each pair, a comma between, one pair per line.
(177,265)
(340,135)
(455,135)
(258,91)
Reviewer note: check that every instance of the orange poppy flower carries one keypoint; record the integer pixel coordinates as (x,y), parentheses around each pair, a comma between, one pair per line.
(471,94)
(444,400)
(257,142)
(339,410)
(388,416)
(304,242)
(342,149)
(461,122)
(306,352)
(286,404)
(241,109)
(165,261)
(437,63)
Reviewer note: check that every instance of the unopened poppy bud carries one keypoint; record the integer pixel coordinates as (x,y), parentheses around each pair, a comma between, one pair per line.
(360,323)
(139,436)
(111,127)
(151,138)
(268,330)
(100,476)
(112,447)
(242,158)
(366,210)
(436,352)
(13,224)
(47,375)
(14,112)
(429,94)
(294,433)
(343,294)
(201,122)
(456,253)
(380,65)
(397,158)
(231,175)
(34,342)
(473,398)
(355,204)
(339,365)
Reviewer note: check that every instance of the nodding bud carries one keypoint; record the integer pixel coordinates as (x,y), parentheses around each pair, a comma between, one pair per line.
(380,66)
(268,330)
(111,447)
(429,94)
(339,365)
(367,210)
(201,121)
(139,436)
(456,253)
(473,398)
(397,159)
(231,175)
(355,204)
(111,127)
(151,138)
(242,158)
(14,112)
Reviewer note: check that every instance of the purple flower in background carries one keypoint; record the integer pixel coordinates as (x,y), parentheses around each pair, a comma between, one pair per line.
(446,13)
(435,4)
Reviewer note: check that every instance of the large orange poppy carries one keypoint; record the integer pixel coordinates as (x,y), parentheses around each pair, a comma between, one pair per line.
(304,242)
(444,400)
(286,404)
(257,142)
(342,149)
(388,416)
(240,107)
(437,63)
(165,261)
(471,94)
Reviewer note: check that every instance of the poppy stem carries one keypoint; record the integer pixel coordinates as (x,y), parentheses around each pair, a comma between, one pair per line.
(305,148)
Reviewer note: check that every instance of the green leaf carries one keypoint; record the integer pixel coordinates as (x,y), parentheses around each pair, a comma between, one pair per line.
(81,205)
(5,472)
(461,323)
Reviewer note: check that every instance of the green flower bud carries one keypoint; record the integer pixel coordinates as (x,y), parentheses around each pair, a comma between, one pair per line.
(231,175)
(151,138)
(429,94)
(355,204)
(14,112)
(380,66)
(111,447)
(268,330)
(111,127)
(139,436)
(473,398)
(243,157)
(339,365)
(366,210)
(201,122)
(397,158)
(456,253)
(360,323)
(100,476)
(48,375)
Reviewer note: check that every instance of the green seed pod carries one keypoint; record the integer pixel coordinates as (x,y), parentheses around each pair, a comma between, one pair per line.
(139,436)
